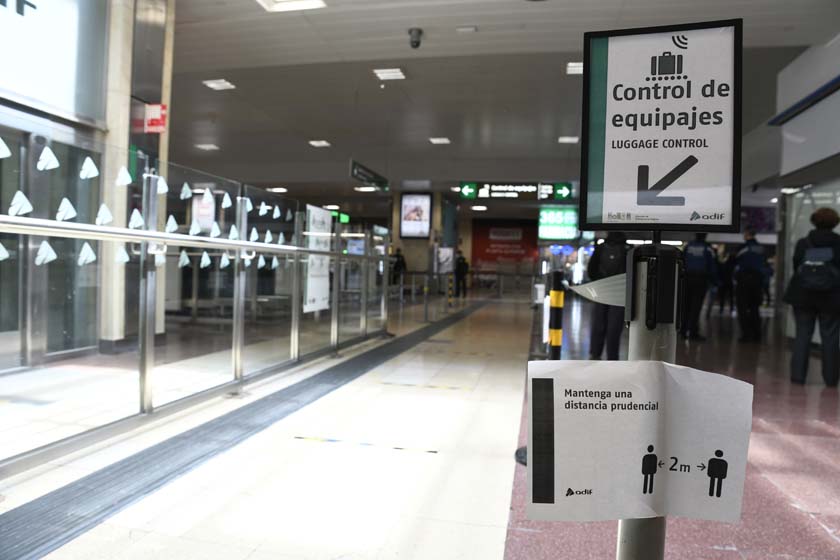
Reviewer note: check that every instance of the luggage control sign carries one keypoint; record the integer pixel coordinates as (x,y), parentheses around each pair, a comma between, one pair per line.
(622,440)
(662,128)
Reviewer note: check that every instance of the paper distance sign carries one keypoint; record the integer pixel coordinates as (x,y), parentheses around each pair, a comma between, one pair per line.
(662,128)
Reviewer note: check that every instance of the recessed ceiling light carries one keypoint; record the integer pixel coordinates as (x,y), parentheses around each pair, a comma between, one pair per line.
(456,189)
(291,5)
(389,74)
(332,207)
(278,189)
(568,140)
(440,140)
(219,85)
(774,200)
(319,144)
(479,208)
(574,68)
(365,189)
(467,29)
(207,147)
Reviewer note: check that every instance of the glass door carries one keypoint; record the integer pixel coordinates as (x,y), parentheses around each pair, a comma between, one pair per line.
(10,251)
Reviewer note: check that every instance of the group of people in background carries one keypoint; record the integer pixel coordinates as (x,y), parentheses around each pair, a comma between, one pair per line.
(743,276)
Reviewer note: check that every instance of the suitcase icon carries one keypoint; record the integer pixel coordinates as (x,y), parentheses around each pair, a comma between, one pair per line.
(666,64)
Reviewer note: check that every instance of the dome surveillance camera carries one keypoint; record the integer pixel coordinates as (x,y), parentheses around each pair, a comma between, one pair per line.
(415,37)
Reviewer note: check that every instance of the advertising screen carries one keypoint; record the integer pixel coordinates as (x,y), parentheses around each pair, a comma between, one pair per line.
(415,215)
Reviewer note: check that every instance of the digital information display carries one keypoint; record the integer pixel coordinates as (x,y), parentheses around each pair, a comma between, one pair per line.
(662,128)
(558,222)
(415,215)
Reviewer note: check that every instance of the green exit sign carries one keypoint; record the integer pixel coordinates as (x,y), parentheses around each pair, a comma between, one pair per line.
(469,191)
(562,191)
(558,223)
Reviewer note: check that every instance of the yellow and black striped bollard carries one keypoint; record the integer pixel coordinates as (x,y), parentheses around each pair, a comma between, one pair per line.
(555,318)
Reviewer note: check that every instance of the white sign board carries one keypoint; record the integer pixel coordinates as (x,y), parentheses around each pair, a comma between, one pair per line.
(318,236)
(415,215)
(662,128)
(624,440)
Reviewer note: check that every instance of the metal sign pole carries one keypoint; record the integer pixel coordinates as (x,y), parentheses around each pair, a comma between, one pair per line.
(654,287)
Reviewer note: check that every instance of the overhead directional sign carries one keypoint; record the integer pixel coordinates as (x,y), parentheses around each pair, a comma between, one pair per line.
(662,128)
(625,440)
(367,175)
(516,189)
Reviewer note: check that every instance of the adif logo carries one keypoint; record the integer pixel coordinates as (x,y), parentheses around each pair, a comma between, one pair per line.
(570,492)
(716,216)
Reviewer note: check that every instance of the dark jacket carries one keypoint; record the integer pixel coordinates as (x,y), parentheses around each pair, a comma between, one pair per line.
(751,264)
(609,258)
(462,267)
(700,260)
(795,294)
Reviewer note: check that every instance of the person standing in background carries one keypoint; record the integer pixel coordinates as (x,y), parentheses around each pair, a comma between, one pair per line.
(399,267)
(814,293)
(751,274)
(462,268)
(700,273)
(608,259)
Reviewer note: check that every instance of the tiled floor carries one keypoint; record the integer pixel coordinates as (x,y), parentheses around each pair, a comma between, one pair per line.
(792,494)
(412,460)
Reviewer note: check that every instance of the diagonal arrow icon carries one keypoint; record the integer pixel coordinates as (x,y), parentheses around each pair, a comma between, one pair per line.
(649,195)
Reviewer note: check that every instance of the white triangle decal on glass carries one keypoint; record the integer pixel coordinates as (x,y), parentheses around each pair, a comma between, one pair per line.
(4,150)
(160,260)
(226,201)
(282,240)
(234,233)
(184,260)
(89,169)
(162,186)
(215,231)
(45,254)
(205,260)
(195,228)
(104,216)
(261,262)
(122,255)
(171,224)
(225,261)
(264,208)
(277,212)
(248,205)
(268,237)
(123,177)
(186,192)
(47,161)
(289,215)
(4,254)
(65,211)
(274,263)
(255,235)
(86,255)
(136,220)
(207,197)
(20,205)
(247,263)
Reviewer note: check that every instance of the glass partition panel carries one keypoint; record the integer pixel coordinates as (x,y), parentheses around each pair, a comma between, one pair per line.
(317,273)
(11,271)
(350,299)
(55,395)
(376,291)
(268,297)
(195,287)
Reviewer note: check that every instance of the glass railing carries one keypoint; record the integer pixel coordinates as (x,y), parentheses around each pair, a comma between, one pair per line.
(127,285)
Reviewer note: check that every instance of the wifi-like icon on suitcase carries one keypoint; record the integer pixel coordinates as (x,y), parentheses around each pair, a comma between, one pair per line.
(680,41)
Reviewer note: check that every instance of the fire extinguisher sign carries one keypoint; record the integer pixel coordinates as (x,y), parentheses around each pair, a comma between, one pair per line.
(662,128)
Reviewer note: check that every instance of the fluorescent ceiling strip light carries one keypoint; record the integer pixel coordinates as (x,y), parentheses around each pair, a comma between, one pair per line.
(219,84)
(207,147)
(479,208)
(568,140)
(319,144)
(440,141)
(332,207)
(573,68)
(365,189)
(278,190)
(389,74)
(291,5)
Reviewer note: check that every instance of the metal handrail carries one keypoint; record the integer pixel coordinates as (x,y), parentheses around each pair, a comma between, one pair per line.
(70,230)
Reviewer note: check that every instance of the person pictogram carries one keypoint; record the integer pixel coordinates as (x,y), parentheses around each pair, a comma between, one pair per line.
(717,472)
(649,463)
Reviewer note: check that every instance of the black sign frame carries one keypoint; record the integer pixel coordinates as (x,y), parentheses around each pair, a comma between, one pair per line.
(583,195)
